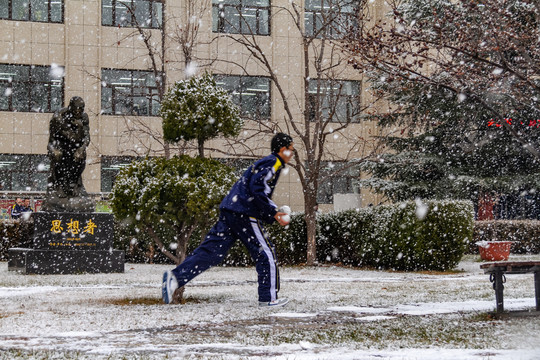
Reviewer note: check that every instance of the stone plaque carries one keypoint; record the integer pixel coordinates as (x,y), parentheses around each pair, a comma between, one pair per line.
(73,231)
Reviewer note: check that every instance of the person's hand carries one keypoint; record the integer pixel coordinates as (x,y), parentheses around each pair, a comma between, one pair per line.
(282,218)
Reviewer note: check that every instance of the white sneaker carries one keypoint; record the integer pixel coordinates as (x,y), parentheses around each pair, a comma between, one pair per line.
(275,303)
(169,285)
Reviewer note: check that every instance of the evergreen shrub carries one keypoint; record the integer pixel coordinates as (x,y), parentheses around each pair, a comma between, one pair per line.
(385,237)
(417,236)
(525,234)
(342,236)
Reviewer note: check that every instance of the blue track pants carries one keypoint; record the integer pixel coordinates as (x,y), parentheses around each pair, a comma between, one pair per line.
(218,241)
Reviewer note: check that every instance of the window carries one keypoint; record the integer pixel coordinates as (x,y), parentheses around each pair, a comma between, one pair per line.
(339,99)
(250,93)
(110,166)
(31,88)
(129,92)
(33,10)
(132,13)
(330,18)
(241,16)
(23,172)
(344,182)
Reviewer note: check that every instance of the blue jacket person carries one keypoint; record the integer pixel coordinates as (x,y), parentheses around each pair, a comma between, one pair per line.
(242,211)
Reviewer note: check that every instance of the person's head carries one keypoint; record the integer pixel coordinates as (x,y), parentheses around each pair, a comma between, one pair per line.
(76,106)
(19,201)
(27,202)
(282,144)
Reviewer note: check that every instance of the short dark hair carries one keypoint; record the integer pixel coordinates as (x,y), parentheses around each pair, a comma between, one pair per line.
(280,140)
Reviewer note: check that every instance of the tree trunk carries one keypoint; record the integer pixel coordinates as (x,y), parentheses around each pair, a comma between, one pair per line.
(183,235)
(201,148)
(160,245)
(311,227)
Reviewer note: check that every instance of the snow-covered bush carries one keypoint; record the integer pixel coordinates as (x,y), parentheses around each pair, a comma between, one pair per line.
(340,236)
(420,236)
(408,236)
(170,198)
(197,109)
(524,233)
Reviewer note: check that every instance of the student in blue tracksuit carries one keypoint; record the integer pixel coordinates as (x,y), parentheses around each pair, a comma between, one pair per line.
(17,209)
(241,213)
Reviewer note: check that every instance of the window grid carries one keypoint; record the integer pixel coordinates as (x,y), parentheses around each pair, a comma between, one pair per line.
(20,172)
(241,16)
(330,18)
(250,93)
(110,166)
(342,97)
(31,88)
(146,13)
(129,92)
(50,11)
(345,182)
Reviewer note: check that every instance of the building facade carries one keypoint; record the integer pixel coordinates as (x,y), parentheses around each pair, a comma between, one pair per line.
(120,56)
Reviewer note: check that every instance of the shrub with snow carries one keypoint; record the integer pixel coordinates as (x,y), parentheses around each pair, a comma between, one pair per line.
(170,198)
(395,236)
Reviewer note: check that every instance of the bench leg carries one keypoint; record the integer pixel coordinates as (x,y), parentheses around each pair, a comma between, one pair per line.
(537,289)
(497,278)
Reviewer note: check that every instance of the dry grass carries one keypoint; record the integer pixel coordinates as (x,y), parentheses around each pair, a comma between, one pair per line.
(128,301)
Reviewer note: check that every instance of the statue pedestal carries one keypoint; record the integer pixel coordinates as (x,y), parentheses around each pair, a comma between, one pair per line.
(69,243)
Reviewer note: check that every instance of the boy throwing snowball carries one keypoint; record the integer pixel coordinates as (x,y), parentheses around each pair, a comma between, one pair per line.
(241,213)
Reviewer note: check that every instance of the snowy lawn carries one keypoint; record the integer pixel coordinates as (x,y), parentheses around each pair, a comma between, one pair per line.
(335,313)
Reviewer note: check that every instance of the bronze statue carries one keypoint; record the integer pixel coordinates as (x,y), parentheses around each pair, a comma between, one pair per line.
(69,136)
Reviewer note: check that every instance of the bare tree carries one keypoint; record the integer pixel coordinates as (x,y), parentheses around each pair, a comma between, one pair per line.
(186,34)
(327,106)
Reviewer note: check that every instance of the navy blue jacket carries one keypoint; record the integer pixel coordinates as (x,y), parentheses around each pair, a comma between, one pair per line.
(252,193)
(16,211)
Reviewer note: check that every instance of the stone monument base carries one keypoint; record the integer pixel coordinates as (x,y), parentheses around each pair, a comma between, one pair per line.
(46,262)
(69,243)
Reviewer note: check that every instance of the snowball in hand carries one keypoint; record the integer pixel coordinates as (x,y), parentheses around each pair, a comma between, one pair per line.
(287,210)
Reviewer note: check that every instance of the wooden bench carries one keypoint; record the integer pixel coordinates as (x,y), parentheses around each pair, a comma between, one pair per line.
(497,270)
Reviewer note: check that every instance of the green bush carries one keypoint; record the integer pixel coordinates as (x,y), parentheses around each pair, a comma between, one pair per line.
(386,237)
(343,236)
(171,197)
(406,240)
(524,233)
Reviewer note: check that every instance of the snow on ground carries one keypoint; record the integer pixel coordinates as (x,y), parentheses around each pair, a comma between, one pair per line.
(335,313)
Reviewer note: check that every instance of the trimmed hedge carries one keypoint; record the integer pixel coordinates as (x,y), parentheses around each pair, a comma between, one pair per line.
(384,237)
(396,237)
(524,233)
